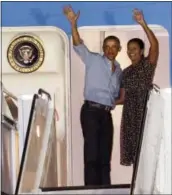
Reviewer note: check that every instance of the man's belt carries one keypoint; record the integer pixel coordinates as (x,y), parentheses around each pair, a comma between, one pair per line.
(97,105)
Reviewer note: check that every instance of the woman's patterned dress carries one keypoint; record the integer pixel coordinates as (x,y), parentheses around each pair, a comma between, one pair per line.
(136,81)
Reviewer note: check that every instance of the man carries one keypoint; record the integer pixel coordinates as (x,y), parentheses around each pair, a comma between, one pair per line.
(102,82)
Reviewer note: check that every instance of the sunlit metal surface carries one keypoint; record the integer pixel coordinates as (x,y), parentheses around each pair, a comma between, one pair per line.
(35,149)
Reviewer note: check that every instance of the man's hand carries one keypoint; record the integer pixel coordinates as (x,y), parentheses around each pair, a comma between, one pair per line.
(138,16)
(73,17)
(70,14)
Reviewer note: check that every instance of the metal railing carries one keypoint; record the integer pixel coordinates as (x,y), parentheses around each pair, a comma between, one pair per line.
(136,164)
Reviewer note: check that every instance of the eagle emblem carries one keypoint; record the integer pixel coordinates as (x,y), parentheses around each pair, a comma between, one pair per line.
(25,54)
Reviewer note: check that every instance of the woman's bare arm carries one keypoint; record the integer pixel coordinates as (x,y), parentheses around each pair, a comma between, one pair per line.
(120,100)
(154,45)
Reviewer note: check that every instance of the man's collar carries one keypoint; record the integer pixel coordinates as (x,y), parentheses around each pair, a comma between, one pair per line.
(109,62)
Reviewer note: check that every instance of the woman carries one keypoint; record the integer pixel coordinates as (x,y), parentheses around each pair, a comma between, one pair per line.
(136,80)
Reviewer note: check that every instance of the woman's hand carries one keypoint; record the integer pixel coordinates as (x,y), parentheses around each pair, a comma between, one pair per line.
(138,16)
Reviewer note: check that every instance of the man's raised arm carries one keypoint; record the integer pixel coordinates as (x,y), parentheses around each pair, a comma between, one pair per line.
(78,44)
(72,17)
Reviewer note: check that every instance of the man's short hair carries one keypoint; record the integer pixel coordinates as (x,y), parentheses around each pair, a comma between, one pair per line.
(111,37)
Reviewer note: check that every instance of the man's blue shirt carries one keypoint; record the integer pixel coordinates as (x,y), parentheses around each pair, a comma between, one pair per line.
(101,85)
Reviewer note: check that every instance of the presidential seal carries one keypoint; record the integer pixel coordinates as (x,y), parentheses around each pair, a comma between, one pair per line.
(25,54)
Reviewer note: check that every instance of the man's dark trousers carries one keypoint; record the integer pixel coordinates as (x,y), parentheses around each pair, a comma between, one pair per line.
(97,127)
